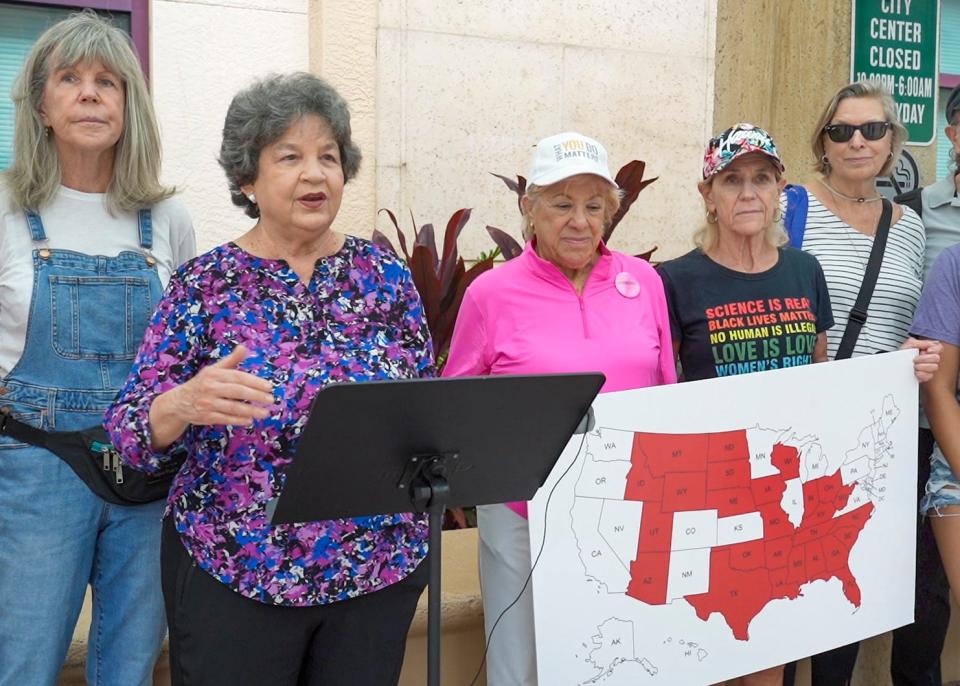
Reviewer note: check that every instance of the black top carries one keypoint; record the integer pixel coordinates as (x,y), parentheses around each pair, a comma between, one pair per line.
(728,322)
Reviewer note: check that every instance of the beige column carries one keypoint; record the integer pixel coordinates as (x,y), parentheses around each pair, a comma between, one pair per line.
(778,64)
(343,50)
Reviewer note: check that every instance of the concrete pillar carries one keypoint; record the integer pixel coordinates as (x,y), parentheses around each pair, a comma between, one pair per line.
(343,50)
(778,63)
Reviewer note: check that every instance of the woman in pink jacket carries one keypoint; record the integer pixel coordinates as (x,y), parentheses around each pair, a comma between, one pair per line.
(567,304)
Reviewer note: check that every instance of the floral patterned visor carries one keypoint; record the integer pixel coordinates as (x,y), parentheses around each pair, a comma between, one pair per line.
(736,141)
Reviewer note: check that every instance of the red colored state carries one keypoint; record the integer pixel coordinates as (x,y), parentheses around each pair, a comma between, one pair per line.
(648,578)
(796,569)
(813,560)
(855,519)
(811,495)
(672,452)
(775,521)
(847,527)
(781,586)
(777,552)
(738,595)
(684,492)
(768,489)
(832,490)
(814,511)
(728,475)
(656,529)
(787,460)
(850,587)
(823,498)
(746,555)
(731,501)
(641,484)
(846,535)
(728,445)
(827,487)
(836,553)
(846,532)
(814,532)
(680,472)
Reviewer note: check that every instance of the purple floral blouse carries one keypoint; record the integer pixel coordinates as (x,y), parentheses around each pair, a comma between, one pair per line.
(358,319)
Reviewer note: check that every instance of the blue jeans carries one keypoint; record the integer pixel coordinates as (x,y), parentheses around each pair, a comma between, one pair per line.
(56,538)
(87,315)
(943,487)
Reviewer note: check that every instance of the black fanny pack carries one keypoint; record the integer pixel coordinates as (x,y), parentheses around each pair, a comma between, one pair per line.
(92,457)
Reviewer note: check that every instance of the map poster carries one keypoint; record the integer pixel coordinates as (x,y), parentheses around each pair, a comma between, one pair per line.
(707,530)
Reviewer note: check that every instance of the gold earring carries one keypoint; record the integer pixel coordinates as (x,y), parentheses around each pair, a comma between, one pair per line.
(711,216)
(777,215)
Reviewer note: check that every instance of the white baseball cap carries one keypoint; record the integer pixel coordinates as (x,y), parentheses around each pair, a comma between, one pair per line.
(568,154)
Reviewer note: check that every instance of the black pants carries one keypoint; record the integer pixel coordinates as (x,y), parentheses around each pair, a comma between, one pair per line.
(915,660)
(219,637)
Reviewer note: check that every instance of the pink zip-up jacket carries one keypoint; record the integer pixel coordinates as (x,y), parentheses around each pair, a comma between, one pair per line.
(524,317)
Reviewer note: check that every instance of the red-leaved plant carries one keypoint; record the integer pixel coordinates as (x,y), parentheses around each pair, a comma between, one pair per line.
(629,179)
(440,278)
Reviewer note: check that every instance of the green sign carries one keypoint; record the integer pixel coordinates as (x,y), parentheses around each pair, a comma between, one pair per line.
(895,42)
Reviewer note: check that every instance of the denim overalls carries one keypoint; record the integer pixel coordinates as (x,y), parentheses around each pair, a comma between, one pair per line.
(87,317)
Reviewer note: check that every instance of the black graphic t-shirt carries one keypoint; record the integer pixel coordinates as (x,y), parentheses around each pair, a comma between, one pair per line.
(728,322)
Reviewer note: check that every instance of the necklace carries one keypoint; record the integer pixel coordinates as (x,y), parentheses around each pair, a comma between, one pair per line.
(852,238)
(847,197)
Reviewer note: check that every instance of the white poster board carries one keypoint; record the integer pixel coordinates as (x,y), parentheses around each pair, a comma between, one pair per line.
(711,529)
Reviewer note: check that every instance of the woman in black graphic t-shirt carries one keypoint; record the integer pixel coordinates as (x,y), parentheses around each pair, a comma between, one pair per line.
(741,302)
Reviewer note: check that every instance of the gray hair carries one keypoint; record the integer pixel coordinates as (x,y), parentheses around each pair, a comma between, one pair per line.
(34,174)
(611,203)
(860,89)
(261,113)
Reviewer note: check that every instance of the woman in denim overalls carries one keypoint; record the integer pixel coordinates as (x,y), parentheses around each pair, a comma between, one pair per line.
(87,237)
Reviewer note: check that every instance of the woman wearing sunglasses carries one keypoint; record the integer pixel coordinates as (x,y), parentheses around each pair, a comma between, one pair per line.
(858,138)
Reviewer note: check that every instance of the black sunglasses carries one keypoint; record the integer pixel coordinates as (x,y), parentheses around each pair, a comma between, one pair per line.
(872,131)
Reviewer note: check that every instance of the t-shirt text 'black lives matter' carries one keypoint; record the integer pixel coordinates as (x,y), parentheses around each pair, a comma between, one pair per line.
(769,333)
(728,322)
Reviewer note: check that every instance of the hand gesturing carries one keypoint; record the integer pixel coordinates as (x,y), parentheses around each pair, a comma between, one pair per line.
(218,394)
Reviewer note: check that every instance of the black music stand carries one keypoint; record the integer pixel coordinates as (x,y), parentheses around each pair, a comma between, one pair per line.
(422,445)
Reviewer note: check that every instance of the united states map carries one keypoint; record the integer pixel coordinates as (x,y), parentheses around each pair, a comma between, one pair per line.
(726,521)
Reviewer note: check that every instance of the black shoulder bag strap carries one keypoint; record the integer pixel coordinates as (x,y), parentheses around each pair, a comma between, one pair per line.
(858,315)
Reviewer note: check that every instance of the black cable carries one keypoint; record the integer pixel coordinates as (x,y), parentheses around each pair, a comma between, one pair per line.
(543,541)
